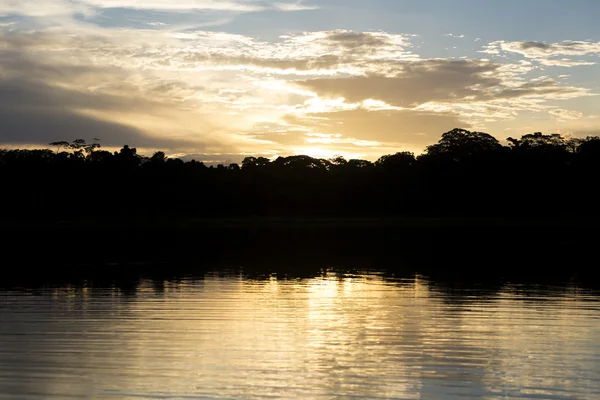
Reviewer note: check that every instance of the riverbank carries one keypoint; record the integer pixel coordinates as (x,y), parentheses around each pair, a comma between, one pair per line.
(178,222)
(512,243)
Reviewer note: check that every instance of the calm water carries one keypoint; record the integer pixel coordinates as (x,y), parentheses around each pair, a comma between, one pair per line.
(336,336)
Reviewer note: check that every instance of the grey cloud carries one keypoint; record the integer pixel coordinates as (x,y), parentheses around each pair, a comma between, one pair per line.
(546,52)
(21,95)
(18,65)
(27,86)
(181,6)
(311,51)
(327,50)
(356,40)
(316,63)
(536,89)
(42,126)
(535,45)
(566,47)
(41,97)
(436,81)
(414,84)
(34,112)
(38,114)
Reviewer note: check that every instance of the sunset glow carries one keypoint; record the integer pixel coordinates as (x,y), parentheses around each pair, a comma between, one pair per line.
(218,80)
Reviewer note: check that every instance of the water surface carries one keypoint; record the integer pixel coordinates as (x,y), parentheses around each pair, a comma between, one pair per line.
(332,336)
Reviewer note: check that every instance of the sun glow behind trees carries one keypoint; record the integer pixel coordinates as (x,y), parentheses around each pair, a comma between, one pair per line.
(217,82)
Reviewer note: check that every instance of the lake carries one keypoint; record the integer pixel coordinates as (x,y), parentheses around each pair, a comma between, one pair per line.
(330,334)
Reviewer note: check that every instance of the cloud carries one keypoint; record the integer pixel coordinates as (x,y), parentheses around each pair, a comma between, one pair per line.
(408,128)
(41,126)
(295,6)
(278,133)
(457,85)
(544,50)
(42,100)
(38,8)
(357,132)
(329,52)
(41,8)
(548,54)
(565,62)
(438,81)
(413,83)
(538,46)
(214,5)
(208,92)
(369,41)
(34,113)
(339,52)
(180,5)
(540,50)
(454,36)
(546,88)
(566,115)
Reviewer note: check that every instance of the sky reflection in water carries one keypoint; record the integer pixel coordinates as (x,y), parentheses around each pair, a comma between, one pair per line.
(335,336)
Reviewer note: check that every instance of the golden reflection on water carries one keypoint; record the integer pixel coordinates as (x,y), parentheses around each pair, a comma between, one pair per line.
(335,336)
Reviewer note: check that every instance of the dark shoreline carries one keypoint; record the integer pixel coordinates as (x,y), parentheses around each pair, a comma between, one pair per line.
(303,222)
(479,244)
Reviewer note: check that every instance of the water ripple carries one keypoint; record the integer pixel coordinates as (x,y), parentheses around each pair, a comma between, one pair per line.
(346,336)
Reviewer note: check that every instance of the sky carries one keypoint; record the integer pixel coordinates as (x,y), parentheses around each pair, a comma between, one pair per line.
(219,80)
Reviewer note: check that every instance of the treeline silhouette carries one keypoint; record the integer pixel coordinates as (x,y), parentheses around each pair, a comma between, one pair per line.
(464,174)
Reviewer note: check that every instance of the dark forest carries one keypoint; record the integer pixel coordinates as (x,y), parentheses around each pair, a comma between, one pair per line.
(465,174)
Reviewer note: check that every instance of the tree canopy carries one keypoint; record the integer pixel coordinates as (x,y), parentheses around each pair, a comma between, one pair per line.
(465,173)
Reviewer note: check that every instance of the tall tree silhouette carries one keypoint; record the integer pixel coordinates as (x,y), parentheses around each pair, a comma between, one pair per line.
(464,174)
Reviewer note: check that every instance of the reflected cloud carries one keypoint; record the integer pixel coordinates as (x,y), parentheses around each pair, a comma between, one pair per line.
(330,335)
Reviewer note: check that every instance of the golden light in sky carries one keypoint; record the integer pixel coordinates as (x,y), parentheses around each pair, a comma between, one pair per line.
(223,80)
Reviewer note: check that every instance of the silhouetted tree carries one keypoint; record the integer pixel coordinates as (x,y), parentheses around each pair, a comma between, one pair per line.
(338,160)
(539,142)
(397,162)
(354,163)
(59,144)
(101,156)
(128,157)
(254,162)
(589,149)
(80,146)
(158,157)
(301,162)
(459,144)
(465,173)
